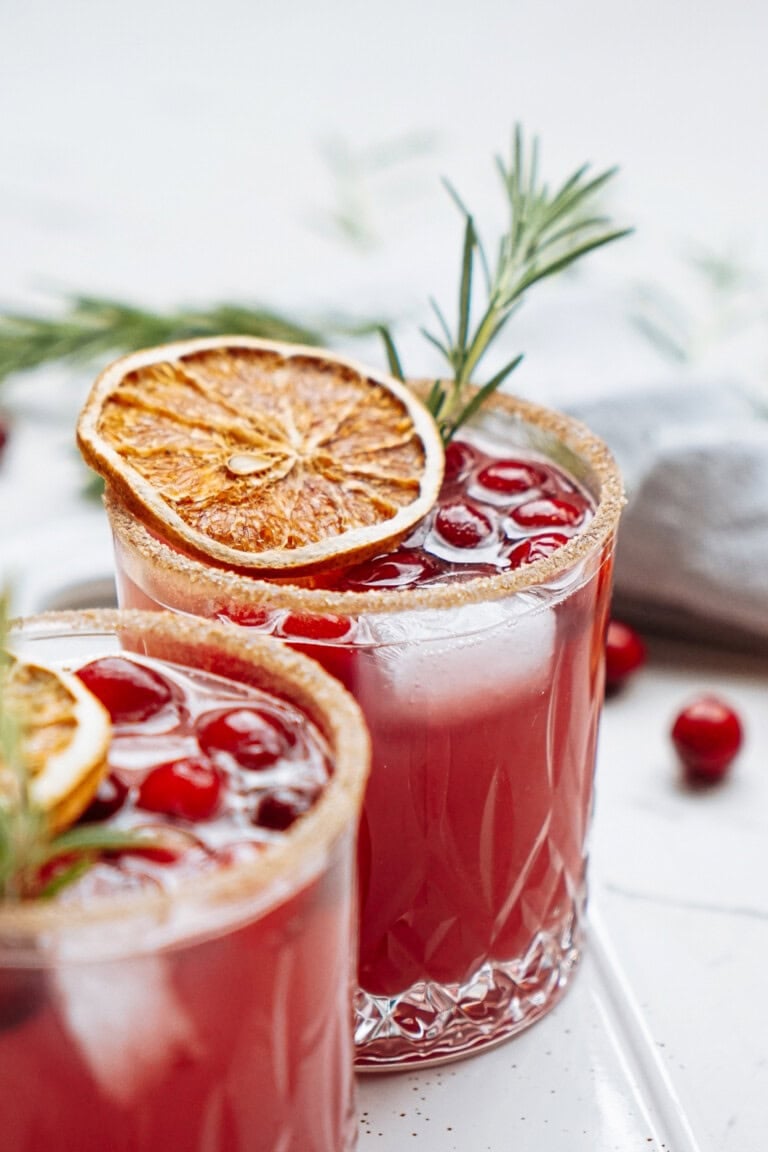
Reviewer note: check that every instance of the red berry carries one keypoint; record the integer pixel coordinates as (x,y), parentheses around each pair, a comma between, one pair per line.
(707,735)
(253,737)
(459,458)
(513,476)
(282,807)
(462,525)
(624,654)
(310,627)
(535,548)
(550,512)
(129,691)
(397,570)
(4,433)
(247,615)
(110,797)
(189,789)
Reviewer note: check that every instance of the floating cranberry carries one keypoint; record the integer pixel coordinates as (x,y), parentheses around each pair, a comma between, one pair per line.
(129,691)
(535,548)
(513,476)
(189,789)
(246,615)
(110,797)
(550,512)
(707,734)
(253,737)
(281,807)
(310,627)
(399,569)
(462,525)
(624,654)
(459,458)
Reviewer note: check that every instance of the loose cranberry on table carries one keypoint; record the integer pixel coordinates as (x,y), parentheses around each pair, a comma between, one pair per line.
(707,735)
(624,654)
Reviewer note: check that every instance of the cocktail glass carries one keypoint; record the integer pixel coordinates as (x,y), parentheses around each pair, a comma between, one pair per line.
(212,1014)
(482,697)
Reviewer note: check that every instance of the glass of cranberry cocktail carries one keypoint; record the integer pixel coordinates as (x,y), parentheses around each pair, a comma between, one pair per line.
(187,983)
(474,646)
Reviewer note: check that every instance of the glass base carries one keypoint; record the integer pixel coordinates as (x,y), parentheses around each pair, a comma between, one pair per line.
(432,1023)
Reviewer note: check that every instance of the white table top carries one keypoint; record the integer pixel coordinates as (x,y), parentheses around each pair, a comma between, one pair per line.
(175,154)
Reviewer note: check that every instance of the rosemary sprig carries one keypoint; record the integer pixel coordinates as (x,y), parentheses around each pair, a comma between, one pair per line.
(25,841)
(89,327)
(546,233)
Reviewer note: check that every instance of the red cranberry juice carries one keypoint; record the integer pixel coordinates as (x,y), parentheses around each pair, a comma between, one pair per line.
(483,720)
(238,1039)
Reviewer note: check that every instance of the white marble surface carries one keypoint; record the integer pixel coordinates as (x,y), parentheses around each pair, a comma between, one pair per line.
(178,153)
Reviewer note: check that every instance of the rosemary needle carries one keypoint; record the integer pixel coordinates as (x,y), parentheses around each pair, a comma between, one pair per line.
(546,233)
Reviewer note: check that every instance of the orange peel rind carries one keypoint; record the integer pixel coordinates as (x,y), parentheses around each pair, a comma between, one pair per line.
(64,735)
(262,456)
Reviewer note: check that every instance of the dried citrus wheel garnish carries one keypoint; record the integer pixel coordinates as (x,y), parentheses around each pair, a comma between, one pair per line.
(64,734)
(265,456)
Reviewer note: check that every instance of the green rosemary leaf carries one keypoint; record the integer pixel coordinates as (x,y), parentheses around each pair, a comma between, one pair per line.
(570,257)
(479,398)
(95,838)
(436,399)
(442,348)
(465,289)
(89,327)
(546,233)
(65,877)
(393,359)
(441,320)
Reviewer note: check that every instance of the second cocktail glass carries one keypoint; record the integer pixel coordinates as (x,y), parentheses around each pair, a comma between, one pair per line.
(482,691)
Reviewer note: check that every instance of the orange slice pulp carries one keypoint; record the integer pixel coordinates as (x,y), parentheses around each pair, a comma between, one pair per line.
(262,456)
(63,736)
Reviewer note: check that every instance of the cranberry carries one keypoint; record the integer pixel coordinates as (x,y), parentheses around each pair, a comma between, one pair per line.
(253,737)
(189,789)
(311,627)
(513,476)
(246,615)
(397,570)
(129,691)
(4,434)
(550,512)
(535,548)
(624,654)
(707,735)
(110,797)
(282,807)
(459,458)
(462,525)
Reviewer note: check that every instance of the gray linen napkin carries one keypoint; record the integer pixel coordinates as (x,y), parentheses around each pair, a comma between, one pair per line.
(692,558)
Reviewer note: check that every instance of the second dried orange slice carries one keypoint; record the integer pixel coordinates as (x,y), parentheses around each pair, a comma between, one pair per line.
(64,735)
(263,456)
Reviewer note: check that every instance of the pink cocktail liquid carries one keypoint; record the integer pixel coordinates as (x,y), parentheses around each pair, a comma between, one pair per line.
(193,1016)
(481,688)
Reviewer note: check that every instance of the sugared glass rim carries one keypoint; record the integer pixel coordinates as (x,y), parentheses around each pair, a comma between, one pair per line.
(196,579)
(279,670)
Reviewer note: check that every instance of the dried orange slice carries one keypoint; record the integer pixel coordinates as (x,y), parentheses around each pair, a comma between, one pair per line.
(256,455)
(64,734)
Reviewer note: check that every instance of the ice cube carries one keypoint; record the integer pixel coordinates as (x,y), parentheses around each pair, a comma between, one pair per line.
(490,651)
(127,1022)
